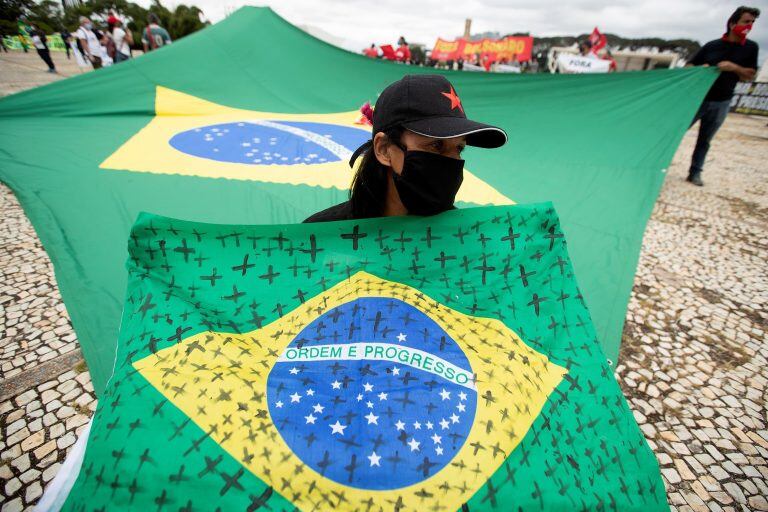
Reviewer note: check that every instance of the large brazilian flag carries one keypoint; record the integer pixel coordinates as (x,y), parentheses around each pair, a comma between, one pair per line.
(252,121)
(422,363)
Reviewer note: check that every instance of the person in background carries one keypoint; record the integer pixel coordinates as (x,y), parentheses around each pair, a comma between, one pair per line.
(736,58)
(89,42)
(486,62)
(154,36)
(585,50)
(66,38)
(371,52)
(403,52)
(122,38)
(41,45)
(2,43)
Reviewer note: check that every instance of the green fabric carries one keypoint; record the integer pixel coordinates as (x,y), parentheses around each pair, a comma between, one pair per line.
(201,415)
(596,146)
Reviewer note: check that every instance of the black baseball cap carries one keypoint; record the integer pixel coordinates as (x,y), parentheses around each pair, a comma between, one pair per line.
(429,105)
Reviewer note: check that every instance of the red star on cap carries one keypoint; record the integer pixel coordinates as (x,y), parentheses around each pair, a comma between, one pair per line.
(455,101)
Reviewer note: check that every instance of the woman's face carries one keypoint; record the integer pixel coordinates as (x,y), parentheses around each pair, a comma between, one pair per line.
(391,155)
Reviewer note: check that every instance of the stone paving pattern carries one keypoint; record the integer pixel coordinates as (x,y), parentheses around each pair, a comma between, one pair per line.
(21,71)
(692,365)
(35,324)
(694,351)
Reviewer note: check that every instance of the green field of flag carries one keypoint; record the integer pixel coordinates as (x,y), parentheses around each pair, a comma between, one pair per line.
(441,363)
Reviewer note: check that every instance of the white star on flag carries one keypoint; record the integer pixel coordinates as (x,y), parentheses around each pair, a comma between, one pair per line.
(429,425)
(414,444)
(295,398)
(359,397)
(372,418)
(374,459)
(461,407)
(401,337)
(454,418)
(279,404)
(368,386)
(445,395)
(400,425)
(417,425)
(294,371)
(395,370)
(369,405)
(462,396)
(318,408)
(337,428)
(437,439)
(439,450)
(310,419)
(382,396)
(310,392)
(444,424)
(336,384)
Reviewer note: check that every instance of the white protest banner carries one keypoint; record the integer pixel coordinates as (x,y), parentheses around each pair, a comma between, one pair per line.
(569,63)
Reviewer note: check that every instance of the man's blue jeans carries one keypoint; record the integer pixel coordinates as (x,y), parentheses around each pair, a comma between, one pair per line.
(712,115)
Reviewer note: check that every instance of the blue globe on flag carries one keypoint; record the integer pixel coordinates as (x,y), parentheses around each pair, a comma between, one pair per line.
(373,394)
(267,142)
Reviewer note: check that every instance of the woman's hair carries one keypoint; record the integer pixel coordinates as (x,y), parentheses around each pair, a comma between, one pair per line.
(368,192)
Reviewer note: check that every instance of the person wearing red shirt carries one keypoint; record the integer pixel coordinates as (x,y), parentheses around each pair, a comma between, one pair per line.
(371,52)
(403,52)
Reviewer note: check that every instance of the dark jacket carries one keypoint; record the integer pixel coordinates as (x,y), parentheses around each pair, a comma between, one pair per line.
(342,211)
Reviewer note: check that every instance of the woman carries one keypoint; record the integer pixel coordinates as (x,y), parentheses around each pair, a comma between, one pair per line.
(123,39)
(412,164)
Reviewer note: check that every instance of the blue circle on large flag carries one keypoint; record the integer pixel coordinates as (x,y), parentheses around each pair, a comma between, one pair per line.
(373,394)
(271,142)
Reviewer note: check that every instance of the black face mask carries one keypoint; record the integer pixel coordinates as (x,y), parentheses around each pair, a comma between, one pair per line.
(429,182)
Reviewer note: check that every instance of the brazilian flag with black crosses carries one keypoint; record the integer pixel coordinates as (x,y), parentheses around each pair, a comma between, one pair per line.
(410,363)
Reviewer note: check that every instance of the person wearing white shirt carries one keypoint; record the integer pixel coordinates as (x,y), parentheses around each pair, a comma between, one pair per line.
(122,38)
(89,42)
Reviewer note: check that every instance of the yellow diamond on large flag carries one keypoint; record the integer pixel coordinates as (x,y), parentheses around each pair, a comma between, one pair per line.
(327,414)
(194,137)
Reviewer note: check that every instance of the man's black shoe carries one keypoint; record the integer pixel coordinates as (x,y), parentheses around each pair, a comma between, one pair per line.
(695,179)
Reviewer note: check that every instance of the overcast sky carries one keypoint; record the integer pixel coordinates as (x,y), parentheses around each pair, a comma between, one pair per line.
(361,22)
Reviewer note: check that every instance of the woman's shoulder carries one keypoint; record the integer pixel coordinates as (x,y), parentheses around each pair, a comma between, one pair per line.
(341,211)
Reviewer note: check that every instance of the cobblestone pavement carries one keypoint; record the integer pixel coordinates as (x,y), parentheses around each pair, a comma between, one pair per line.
(22,71)
(35,325)
(694,352)
(692,365)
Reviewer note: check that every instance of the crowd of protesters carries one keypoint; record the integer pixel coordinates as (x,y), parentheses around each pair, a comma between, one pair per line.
(97,46)
(477,62)
(114,44)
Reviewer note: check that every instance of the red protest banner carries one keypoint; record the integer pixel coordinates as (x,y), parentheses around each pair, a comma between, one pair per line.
(388,52)
(506,49)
